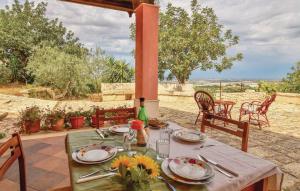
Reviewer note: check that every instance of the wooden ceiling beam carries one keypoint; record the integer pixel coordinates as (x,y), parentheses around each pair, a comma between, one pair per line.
(103,4)
(135,4)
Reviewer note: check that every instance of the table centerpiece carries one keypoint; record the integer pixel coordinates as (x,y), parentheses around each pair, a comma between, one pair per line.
(136,172)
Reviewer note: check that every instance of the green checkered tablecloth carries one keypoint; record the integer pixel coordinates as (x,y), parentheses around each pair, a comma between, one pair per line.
(75,140)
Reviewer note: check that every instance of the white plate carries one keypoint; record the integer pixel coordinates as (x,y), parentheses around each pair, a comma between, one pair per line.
(77,155)
(93,155)
(168,172)
(95,152)
(190,168)
(119,129)
(190,136)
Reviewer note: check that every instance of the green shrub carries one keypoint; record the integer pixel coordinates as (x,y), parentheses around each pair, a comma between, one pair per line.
(2,135)
(59,70)
(5,74)
(269,87)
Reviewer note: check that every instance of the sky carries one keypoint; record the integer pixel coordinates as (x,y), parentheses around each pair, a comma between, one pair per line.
(269,32)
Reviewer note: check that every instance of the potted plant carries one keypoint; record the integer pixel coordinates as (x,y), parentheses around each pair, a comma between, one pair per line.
(76,119)
(30,119)
(56,119)
(100,122)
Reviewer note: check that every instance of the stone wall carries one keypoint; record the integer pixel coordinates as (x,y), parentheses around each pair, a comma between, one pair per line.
(236,97)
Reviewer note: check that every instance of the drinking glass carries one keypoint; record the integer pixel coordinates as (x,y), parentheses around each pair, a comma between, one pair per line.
(165,134)
(126,142)
(162,149)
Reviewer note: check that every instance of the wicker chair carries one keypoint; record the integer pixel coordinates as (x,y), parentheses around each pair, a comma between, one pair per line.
(205,103)
(256,111)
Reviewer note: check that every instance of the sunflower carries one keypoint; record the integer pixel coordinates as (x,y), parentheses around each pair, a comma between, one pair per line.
(146,163)
(125,160)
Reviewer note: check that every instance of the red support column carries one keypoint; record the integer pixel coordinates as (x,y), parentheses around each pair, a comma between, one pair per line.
(146,66)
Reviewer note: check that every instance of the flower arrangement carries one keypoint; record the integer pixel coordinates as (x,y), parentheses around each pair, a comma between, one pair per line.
(136,172)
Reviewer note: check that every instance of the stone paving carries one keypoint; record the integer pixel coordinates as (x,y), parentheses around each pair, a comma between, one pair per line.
(279,143)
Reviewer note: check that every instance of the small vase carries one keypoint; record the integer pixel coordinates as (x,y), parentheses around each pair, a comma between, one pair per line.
(138,187)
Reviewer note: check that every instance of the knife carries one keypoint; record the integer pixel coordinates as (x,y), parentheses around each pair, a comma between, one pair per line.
(220,166)
(100,133)
(90,178)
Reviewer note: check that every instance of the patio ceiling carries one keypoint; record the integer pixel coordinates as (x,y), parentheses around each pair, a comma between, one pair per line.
(121,5)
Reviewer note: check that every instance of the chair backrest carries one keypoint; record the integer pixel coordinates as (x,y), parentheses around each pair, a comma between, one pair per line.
(263,109)
(115,114)
(16,153)
(204,101)
(241,129)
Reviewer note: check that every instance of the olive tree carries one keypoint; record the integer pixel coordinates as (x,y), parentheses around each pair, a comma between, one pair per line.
(188,42)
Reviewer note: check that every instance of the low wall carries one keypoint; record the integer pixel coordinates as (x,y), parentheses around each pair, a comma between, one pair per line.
(236,97)
(184,93)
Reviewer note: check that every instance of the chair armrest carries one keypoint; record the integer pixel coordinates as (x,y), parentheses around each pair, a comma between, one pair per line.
(245,106)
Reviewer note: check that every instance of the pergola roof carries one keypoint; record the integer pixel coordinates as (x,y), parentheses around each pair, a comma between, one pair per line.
(121,5)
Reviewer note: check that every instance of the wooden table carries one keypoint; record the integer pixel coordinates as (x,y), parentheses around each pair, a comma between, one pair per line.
(227,107)
(255,174)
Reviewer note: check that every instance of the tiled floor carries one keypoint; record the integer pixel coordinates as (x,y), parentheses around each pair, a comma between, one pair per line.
(46,165)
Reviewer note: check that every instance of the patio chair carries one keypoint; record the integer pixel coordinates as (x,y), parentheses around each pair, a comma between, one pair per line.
(14,145)
(205,103)
(237,128)
(257,111)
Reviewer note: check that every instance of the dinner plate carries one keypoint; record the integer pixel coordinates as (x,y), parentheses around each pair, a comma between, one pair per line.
(119,129)
(95,152)
(189,136)
(112,153)
(190,168)
(168,173)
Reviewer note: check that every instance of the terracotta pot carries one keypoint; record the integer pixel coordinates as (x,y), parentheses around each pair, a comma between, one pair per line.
(58,125)
(32,126)
(77,122)
(94,122)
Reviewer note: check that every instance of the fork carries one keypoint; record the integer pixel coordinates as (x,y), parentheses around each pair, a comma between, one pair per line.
(170,186)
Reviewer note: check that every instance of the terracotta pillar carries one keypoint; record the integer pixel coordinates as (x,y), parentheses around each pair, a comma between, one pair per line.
(146,58)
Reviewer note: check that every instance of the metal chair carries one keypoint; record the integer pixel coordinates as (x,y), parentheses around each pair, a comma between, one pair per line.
(257,111)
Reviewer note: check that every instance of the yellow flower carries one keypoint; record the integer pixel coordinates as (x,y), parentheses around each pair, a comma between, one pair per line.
(125,160)
(146,163)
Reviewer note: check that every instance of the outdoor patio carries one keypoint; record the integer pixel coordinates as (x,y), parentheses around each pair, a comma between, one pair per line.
(47,162)
(59,141)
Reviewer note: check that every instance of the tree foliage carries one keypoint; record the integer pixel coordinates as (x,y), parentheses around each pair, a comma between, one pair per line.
(290,84)
(61,71)
(117,71)
(25,26)
(4,74)
(292,81)
(192,41)
(96,64)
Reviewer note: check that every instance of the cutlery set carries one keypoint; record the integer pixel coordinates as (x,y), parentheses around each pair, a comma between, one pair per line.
(227,172)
